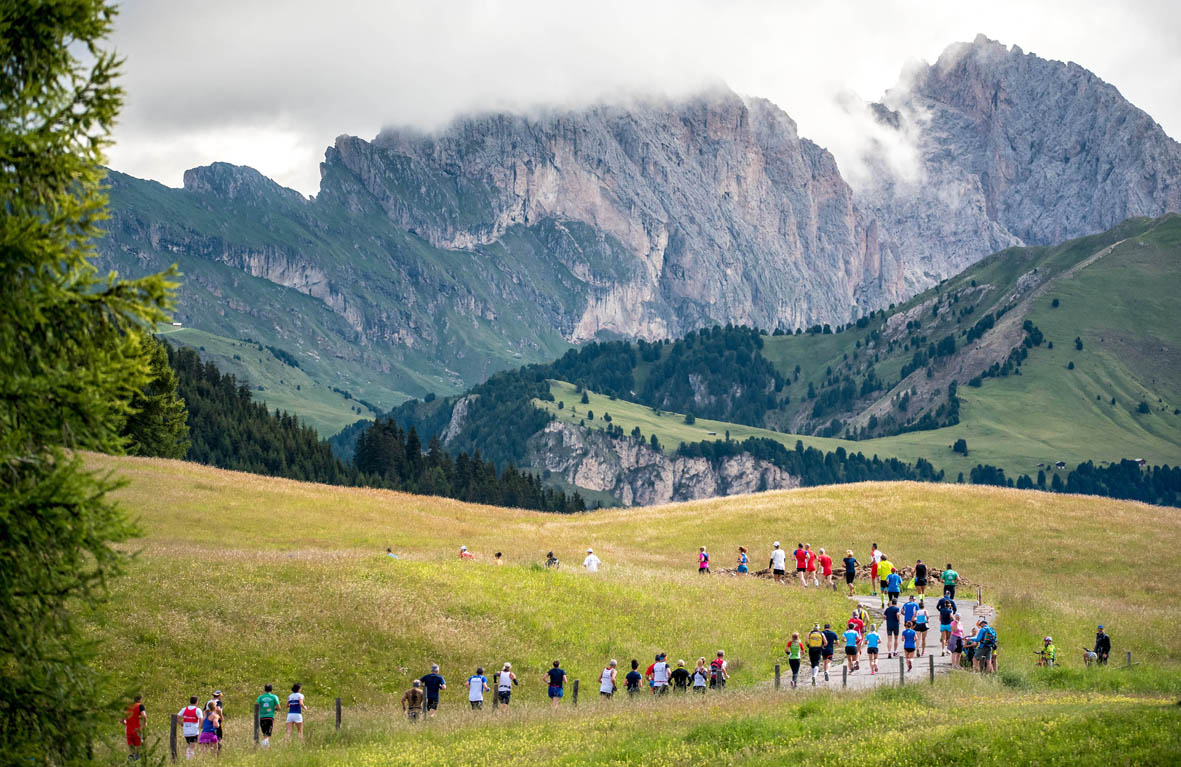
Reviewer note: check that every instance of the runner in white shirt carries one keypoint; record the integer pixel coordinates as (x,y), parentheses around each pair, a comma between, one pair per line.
(660,675)
(591,562)
(504,684)
(476,685)
(778,562)
(190,720)
(607,680)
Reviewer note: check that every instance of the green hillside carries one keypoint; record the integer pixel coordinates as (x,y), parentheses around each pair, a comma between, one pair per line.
(241,579)
(1113,292)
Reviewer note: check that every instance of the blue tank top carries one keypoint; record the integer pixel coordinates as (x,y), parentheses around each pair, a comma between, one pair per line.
(207,724)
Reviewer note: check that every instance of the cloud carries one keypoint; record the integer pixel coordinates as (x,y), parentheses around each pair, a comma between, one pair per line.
(270,83)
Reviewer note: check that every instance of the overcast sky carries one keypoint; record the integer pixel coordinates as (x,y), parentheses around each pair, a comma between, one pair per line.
(271,83)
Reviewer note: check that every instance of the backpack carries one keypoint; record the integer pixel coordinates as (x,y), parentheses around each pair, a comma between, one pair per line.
(815,639)
(715,669)
(989,637)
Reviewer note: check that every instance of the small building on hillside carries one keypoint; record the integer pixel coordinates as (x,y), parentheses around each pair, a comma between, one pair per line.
(1060,465)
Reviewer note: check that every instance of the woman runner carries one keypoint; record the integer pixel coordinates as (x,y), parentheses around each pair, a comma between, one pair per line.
(872,640)
(208,737)
(920,625)
(793,649)
(700,677)
(920,578)
(633,679)
(702,562)
(850,562)
(607,680)
(742,560)
(852,647)
(955,642)
(295,709)
(909,635)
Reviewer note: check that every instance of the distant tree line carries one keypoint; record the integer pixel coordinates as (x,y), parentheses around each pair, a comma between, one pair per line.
(1126,480)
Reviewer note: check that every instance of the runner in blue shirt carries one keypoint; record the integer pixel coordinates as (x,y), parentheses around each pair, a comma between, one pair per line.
(908,642)
(852,648)
(433,682)
(946,608)
(477,685)
(892,614)
(830,639)
(872,640)
(893,585)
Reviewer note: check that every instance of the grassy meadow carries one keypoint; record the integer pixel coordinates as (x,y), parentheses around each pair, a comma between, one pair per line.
(241,579)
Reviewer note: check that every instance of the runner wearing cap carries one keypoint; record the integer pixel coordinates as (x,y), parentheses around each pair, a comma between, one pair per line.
(591,563)
(477,685)
(465,554)
(661,673)
(778,562)
(1048,653)
(815,649)
(505,681)
(1102,647)
(830,640)
(412,701)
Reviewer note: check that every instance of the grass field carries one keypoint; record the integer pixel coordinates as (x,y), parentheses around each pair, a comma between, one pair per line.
(242,579)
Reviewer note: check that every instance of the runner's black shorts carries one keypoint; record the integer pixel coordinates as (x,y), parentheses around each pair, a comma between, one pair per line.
(814,654)
(266,724)
(801,569)
(190,739)
(850,577)
(891,630)
(777,571)
(432,704)
(920,627)
(872,651)
(504,696)
(851,651)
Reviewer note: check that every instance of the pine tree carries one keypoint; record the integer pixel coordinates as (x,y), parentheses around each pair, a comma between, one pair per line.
(158,425)
(75,355)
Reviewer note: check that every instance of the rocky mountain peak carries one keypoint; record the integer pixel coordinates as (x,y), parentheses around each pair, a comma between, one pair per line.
(237,183)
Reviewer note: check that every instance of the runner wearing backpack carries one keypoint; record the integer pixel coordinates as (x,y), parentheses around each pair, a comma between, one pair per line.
(985,646)
(702,562)
(717,671)
(815,649)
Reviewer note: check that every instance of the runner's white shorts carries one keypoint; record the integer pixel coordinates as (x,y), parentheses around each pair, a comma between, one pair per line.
(295,717)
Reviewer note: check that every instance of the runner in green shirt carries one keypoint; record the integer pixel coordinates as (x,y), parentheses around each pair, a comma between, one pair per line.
(950,579)
(267,703)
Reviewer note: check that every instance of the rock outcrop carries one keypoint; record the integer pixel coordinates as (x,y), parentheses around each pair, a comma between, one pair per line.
(638,475)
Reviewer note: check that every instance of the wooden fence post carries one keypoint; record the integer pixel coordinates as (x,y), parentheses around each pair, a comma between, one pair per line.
(338,713)
(931,658)
(845,676)
(172,737)
(979,595)
(256,725)
(776,676)
(901,671)
(575,692)
(1129,658)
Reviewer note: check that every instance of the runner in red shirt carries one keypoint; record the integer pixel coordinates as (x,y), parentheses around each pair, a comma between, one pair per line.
(136,716)
(826,568)
(857,624)
(801,555)
(875,556)
(811,559)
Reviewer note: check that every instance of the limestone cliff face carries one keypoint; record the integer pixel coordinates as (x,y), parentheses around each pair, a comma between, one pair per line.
(639,476)
(727,214)
(1014,149)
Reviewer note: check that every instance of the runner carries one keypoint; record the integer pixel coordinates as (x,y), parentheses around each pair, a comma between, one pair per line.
(268,704)
(702,562)
(719,671)
(857,623)
(209,725)
(681,677)
(390,553)
(850,563)
(433,683)
(793,650)
(815,649)
(801,555)
(1048,653)
(190,723)
(885,568)
(862,615)
(920,625)
(946,608)
(876,557)
(661,673)
(1102,647)
(810,563)
(607,679)
(505,681)
(826,569)
(920,578)
(551,561)
(950,579)
(412,701)
(893,586)
(909,635)
(909,609)
(133,724)
(872,640)
(591,563)
(221,716)
(633,679)
(496,558)
(985,645)
(742,560)
(778,562)
(465,554)
(892,615)
(852,648)
(556,680)
(830,640)
(700,677)
(295,710)
(955,642)
(477,685)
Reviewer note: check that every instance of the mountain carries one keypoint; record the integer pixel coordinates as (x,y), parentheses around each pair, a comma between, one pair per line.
(429,261)
(1031,357)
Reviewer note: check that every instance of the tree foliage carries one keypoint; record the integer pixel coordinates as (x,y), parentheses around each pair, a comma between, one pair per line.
(158,424)
(74,358)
